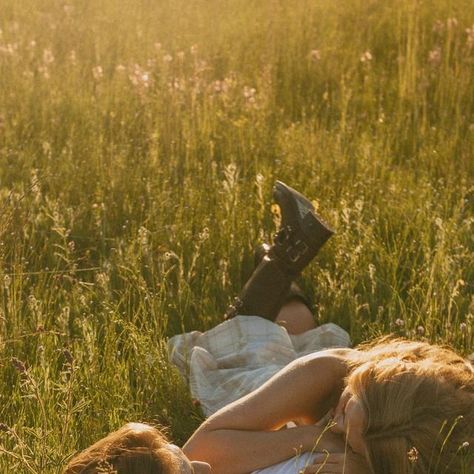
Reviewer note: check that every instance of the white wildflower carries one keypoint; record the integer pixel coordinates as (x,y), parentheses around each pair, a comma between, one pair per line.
(249,92)
(9,49)
(452,23)
(48,57)
(73,57)
(366,57)
(434,56)
(7,281)
(44,71)
(139,77)
(98,73)
(315,55)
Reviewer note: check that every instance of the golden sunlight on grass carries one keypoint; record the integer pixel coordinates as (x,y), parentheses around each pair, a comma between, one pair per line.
(139,141)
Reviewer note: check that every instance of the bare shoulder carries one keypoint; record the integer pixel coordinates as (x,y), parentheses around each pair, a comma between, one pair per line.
(333,363)
(337,359)
(317,381)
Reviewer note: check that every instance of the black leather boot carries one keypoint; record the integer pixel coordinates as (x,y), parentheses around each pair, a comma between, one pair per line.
(296,243)
(294,292)
(302,232)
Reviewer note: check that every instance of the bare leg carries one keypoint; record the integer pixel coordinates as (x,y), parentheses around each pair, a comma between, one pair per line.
(295,317)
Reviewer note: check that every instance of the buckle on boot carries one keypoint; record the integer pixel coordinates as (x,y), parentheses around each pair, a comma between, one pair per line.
(296,251)
(233,309)
(283,235)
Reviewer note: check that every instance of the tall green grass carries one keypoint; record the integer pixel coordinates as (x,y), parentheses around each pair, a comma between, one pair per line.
(139,141)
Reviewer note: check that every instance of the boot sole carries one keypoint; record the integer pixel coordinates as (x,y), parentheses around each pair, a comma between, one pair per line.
(313,227)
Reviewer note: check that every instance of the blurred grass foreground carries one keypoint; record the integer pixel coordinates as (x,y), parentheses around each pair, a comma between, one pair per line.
(139,142)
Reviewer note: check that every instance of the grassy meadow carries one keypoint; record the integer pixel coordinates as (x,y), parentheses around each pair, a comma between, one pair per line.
(139,143)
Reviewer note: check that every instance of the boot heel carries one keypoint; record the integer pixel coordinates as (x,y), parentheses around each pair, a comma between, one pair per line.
(314,227)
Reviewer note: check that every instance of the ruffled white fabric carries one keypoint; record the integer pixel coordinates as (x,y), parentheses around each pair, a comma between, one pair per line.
(239,355)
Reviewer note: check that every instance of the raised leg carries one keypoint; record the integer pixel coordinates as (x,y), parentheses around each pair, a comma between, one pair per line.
(296,243)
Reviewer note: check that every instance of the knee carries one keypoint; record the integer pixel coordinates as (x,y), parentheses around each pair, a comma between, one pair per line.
(295,317)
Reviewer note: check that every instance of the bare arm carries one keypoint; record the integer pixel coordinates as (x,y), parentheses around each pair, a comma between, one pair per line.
(243,436)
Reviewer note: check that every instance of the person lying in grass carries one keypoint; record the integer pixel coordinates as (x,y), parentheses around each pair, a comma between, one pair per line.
(400,412)
(390,407)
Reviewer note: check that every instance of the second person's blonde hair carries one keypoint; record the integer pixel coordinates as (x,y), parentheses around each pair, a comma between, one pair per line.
(419,400)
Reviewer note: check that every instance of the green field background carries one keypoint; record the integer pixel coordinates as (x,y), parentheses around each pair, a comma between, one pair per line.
(139,143)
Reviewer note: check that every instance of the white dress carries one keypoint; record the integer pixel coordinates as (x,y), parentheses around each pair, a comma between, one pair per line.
(290,466)
(238,356)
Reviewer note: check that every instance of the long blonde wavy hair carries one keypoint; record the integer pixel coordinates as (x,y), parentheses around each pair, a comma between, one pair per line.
(419,401)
